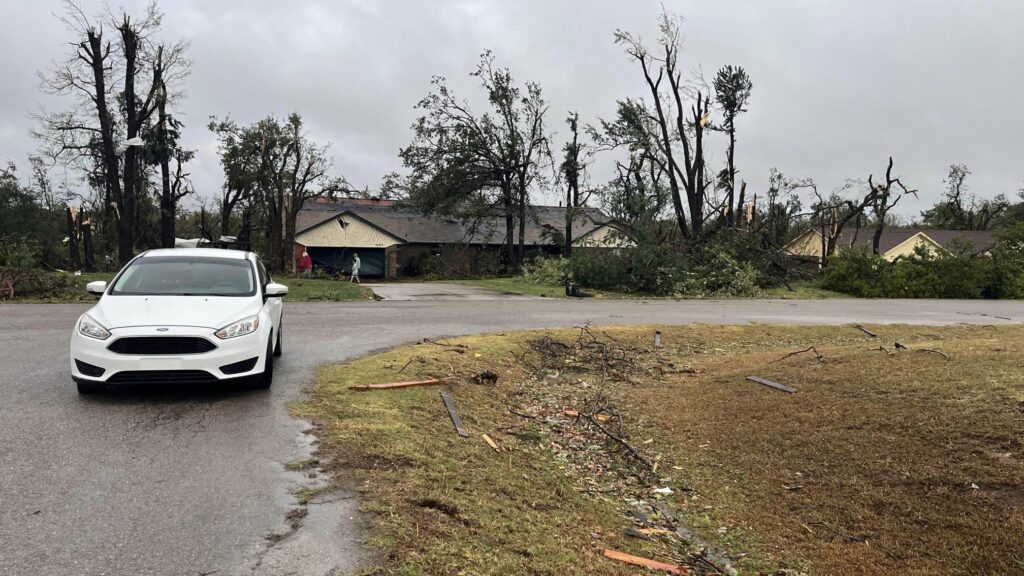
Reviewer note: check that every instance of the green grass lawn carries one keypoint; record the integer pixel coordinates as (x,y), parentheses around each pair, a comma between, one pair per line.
(321,289)
(69,288)
(520,285)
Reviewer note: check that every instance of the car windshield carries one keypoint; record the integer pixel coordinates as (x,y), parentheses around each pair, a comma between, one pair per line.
(186,276)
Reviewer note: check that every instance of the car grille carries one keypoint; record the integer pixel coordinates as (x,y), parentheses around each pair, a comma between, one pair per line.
(162,377)
(161,345)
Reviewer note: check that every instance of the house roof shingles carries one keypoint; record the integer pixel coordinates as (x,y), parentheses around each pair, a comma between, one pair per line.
(980,241)
(542,223)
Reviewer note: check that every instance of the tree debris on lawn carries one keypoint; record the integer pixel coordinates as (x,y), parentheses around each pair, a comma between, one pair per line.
(486,377)
(645,562)
(455,417)
(394,385)
(771,384)
(817,355)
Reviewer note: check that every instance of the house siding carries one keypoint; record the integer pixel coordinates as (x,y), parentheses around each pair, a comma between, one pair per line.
(603,237)
(354,234)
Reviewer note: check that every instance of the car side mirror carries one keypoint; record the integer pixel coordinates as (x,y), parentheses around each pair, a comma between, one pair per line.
(96,288)
(274,290)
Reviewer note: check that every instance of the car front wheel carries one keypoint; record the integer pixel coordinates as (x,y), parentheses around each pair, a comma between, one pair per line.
(265,379)
(279,348)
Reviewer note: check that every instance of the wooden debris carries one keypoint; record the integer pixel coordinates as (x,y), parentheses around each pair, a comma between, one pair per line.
(394,385)
(818,355)
(771,384)
(899,346)
(575,414)
(455,417)
(645,562)
(491,442)
(866,331)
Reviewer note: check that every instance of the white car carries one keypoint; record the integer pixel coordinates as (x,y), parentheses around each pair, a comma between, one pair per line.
(198,315)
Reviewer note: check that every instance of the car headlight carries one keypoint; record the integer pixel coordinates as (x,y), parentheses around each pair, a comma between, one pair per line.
(240,328)
(91,328)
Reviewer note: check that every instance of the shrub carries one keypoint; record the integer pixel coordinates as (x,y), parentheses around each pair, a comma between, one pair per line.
(857,273)
(460,263)
(720,274)
(541,270)
(925,274)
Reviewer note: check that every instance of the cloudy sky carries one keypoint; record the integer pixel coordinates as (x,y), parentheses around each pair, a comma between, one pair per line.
(838,86)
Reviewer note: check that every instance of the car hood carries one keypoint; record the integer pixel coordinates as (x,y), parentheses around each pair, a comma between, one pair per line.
(204,311)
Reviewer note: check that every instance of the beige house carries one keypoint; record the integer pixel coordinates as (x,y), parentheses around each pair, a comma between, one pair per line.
(390,240)
(894,243)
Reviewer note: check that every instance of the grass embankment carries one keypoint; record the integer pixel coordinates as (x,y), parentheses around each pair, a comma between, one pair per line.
(323,289)
(885,461)
(520,285)
(69,288)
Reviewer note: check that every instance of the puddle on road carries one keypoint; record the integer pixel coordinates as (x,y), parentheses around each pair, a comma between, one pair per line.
(315,538)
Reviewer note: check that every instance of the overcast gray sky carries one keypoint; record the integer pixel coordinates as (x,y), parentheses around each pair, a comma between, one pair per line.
(838,86)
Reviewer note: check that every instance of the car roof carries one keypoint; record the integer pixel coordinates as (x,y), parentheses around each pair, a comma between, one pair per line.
(197,253)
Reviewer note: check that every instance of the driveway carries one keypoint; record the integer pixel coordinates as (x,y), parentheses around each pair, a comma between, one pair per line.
(190,482)
(441,291)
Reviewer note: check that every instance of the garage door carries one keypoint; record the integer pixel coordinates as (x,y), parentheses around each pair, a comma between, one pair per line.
(340,260)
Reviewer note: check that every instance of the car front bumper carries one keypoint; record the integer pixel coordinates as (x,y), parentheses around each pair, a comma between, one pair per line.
(247,353)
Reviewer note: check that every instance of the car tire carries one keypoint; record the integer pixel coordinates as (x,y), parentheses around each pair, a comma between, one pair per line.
(279,347)
(265,379)
(88,387)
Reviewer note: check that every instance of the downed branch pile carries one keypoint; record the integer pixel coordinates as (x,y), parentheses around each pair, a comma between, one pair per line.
(568,398)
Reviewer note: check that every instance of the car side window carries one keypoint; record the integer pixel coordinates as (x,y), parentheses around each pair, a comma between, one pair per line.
(262,271)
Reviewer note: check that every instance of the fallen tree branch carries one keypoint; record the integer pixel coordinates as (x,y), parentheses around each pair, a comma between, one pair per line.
(445,344)
(820,357)
(621,441)
(940,353)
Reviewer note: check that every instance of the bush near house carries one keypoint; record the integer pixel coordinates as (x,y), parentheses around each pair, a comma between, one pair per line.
(925,274)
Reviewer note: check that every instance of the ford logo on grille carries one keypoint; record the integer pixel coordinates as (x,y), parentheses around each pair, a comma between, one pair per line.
(161,329)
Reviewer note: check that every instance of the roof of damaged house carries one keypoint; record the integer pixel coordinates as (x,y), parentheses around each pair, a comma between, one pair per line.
(544,224)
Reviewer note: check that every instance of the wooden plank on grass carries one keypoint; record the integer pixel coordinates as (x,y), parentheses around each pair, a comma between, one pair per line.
(455,417)
(645,562)
(394,385)
(771,384)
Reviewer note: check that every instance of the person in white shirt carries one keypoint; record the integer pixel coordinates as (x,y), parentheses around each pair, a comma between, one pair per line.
(355,268)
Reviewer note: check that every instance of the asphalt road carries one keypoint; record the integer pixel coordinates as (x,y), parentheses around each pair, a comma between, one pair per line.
(192,482)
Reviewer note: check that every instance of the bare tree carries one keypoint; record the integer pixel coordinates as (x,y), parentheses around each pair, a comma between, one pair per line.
(114,97)
(883,198)
(573,171)
(732,91)
(681,116)
(961,210)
